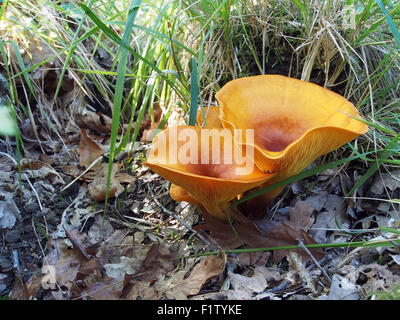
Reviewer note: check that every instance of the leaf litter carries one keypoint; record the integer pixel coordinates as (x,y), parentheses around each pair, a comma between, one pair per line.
(110,262)
(139,251)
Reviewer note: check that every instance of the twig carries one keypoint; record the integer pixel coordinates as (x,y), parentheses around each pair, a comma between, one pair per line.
(170,213)
(301,245)
(78,177)
(34,192)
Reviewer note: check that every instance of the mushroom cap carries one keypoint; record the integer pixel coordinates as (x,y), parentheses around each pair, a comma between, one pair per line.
(211,114)
(294,121)
(207,172)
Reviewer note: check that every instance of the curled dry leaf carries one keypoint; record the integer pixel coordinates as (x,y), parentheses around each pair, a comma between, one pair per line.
(89,150)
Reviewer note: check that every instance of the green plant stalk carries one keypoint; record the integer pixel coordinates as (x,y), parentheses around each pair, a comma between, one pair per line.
(390,22)
(133,10)
(114,37)
(194,93)
(3,8)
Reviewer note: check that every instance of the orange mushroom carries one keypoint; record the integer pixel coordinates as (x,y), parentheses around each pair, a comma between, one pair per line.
(211,115)
(201,165)
(294,122)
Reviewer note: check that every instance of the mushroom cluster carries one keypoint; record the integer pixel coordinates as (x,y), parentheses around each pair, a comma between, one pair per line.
(271,127)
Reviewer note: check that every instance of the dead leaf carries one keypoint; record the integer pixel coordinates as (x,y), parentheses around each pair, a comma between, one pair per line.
(283,234)
(342,289)
(78,239)
(300,216)
(89,150)
(138,290)
(124,177)
(387,180)
(91,284)
(224,235)
(66,261)
(101,230)
(106,289)
(20,291)
(8,213)
(98,187)
(179,287)
(158,262)
(326,220)
(250,285)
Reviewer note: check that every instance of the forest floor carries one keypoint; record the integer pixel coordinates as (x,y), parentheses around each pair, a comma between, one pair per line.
(52,226)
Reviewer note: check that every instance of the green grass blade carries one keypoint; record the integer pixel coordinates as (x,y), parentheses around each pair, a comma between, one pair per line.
(162,37)
(374,26)
(119,88)
(392,25)
(194,93)
(69,55)
(386,153)
(114,37)
(23,68)
(3,8)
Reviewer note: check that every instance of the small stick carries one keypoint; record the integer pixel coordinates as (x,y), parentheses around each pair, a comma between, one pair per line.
(301,245)
(78,177)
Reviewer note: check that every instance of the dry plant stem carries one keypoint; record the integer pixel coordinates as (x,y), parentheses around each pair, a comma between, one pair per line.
(301,245)
(78,177)
(350,256)
(170,213)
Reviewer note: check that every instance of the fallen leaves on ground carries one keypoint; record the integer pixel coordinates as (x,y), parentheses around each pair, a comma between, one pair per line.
(248,234)
(98,187)
(180,287)
(118,268)
(89,150)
